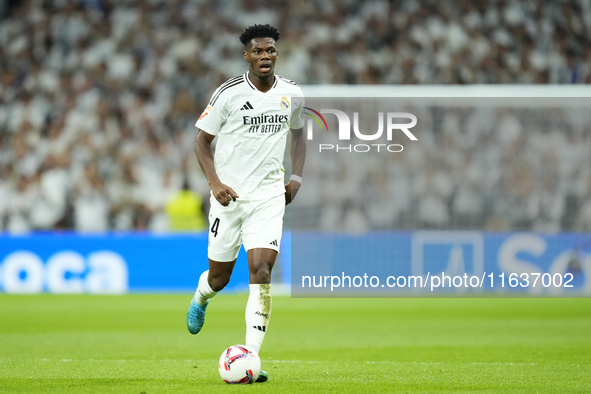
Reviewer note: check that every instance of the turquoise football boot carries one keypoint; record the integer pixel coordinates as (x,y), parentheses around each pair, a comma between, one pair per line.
(196,317)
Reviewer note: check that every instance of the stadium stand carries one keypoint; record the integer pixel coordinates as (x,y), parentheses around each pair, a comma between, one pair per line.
(98,101)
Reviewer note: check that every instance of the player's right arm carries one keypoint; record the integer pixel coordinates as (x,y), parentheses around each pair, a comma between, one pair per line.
(208,126)
(221,192)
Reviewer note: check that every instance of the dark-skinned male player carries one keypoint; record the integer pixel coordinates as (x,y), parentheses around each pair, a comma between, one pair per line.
(251,115)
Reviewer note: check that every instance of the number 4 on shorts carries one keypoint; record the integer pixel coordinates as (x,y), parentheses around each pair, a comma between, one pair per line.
(215,226)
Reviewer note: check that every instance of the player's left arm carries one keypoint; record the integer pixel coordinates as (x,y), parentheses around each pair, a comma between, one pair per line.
(298,157)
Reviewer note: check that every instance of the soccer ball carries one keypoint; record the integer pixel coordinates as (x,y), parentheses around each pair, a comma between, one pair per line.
(239,364)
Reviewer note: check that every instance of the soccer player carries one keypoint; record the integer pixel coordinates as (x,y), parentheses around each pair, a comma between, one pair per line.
(251,115)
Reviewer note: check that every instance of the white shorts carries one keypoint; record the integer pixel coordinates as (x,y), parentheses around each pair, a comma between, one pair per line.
(256,224)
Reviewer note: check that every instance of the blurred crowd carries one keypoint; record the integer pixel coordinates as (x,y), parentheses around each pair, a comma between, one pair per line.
(519,168)
(98,98)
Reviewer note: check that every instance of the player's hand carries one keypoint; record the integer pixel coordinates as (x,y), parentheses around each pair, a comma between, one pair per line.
(291,189)
(223,193)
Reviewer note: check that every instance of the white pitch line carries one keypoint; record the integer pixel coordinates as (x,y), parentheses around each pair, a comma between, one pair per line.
(69,360)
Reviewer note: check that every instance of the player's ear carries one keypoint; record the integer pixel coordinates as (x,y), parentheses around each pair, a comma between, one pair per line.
(245,54)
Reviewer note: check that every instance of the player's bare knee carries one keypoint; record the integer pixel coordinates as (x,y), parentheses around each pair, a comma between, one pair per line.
(262,274)
(263,277)
(217,283)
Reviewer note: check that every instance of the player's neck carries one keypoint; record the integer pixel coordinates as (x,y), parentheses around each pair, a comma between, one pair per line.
(263,85)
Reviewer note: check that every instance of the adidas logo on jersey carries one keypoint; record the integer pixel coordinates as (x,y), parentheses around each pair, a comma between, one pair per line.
(274,243)
(246,107)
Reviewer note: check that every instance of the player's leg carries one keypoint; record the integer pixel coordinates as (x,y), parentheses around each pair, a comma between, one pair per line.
(223,246)
(219,274)
(211,282)
(262,231)
(259,305)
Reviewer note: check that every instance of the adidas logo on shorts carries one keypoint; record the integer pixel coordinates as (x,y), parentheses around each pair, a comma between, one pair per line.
(274,243)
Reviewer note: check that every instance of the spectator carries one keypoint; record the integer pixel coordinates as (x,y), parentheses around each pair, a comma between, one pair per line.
(185,211)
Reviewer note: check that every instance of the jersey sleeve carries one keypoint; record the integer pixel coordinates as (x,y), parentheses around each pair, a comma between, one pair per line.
(297,115)
(214,115)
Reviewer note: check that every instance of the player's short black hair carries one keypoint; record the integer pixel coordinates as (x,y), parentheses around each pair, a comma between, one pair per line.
(259,31)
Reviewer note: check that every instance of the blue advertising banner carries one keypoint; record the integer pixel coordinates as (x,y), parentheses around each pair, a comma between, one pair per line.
(315,264)
(112,263)
(435,263)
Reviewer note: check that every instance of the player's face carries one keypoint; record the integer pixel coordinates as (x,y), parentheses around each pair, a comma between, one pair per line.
(261,55)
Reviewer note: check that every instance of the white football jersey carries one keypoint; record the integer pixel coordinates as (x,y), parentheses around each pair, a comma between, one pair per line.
(251,129)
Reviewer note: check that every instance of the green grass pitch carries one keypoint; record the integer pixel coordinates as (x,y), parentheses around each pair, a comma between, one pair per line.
(139,344)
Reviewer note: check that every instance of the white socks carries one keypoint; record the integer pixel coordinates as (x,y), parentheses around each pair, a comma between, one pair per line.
(258,309)
(204,291)
(258,312)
